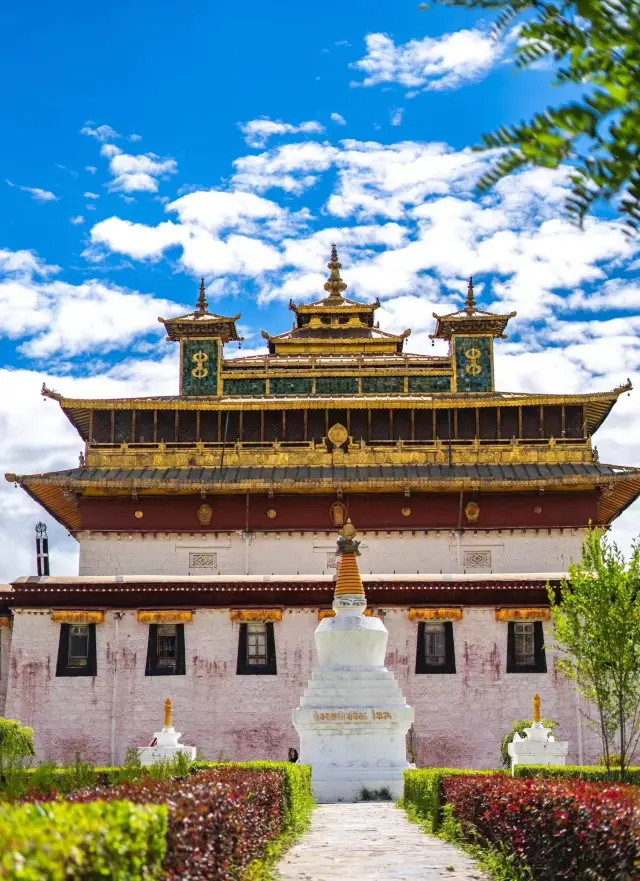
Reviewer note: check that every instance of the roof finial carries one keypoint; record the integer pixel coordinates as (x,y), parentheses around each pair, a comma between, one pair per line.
(348,580)
(334,284)
(202,298)
(470,302)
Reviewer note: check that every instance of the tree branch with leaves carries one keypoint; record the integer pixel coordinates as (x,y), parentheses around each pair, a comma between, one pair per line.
(595,45)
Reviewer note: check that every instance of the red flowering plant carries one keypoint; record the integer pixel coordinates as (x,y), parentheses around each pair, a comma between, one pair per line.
(558,829)
(219,821)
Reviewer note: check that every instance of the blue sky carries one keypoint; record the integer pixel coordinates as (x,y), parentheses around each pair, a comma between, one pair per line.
(146,145)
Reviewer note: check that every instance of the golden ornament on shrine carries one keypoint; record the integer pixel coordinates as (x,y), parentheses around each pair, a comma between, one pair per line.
(338,435)
(204,515)
(472,512)
(168,713)
(536,708)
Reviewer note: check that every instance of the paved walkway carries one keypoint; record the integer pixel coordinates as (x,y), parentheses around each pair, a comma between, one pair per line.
(376,842)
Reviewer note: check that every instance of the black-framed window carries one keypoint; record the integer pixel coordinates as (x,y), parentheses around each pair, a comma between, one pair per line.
(436,650)
(257,649)
(77,650)
(525,647)
(165,650)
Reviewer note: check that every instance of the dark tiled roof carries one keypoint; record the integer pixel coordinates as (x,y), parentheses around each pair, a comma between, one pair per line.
(231,475)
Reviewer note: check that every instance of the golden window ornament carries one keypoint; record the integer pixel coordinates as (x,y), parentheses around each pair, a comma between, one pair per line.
(472,512)
(338,514)
(272,513)
(77,617)
(406,512)
(444,614)
(530,614)
(246,615)
(139,515)
(204,514)
(338,435)
(166,616)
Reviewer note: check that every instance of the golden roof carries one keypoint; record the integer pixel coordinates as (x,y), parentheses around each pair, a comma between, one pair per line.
(201,323)
(470,320)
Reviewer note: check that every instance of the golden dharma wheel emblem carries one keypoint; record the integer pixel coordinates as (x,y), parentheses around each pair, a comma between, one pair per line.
(204,515)
(139,514)
(406,512)
(472,511)
(271,513)
(338,435)
(348,530)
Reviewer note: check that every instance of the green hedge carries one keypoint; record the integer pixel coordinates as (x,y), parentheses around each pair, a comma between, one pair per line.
(423,791)
(71,842)
(298,791)
(591,773)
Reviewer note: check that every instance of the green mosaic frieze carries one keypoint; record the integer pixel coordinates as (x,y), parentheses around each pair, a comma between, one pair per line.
(295,385)
(200,361)
(429,384)
(337,385)
(474,368)
(245,387)
(382,385)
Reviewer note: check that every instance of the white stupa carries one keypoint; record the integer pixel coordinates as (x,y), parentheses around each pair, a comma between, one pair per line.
(165,745)
(538,747)
(352,719)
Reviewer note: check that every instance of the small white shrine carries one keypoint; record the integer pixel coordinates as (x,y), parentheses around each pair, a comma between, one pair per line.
(352,719)
(538,747)
(165,746)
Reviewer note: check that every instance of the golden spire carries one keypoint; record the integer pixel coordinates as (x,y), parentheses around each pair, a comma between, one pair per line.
(202,298)
(536,708)
(348,580)
(470,302)
(334,285)
(168,713)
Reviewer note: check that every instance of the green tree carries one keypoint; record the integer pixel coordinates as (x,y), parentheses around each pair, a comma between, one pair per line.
(16,742)
(597,629)
(595,46)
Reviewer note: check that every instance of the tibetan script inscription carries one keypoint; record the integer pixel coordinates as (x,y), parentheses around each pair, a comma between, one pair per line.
(353,716)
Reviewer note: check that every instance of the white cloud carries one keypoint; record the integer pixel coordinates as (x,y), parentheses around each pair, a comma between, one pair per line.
(338,118)
(90,195)
(77,220)
(35,192)
(135,138)
(138,173)
(292,167)
(439,63)
(91,169)
(258,131)
(101,132)
(396,116)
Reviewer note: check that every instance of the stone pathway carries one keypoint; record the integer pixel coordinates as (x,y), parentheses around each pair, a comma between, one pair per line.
(376,842)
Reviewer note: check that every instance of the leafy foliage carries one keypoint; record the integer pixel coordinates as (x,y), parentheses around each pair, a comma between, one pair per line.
(597,629)
(16,742)
(68,842)
(555,829)
(519,728)
(424,794)
(219,821)
(590,773)
(595,47)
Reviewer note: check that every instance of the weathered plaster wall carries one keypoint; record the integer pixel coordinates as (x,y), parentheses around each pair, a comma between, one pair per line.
(5,655)
(460,718)
(291,553)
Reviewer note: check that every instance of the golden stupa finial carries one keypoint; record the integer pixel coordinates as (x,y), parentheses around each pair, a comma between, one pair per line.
(334,285)
(202,298)
(348,580)
(536,708)
(470,302)
(168,713)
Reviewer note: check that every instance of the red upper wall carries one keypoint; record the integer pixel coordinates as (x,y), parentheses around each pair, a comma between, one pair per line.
(367,511)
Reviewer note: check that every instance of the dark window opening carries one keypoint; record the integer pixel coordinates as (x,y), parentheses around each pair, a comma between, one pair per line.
(187,426)
(509,423)
(251,426)
(531,423)
(359,425)
(380,425)
(165,650)
(122,427)
(144,426)
(231,427)
(466,424)
(77,650)
(444,424)
(436,648)
(257,650)
(488,423)
(208,426)
(273,425)
(295,425)
(573,421)
(525,647)
(423,424)
(316,429)
(553,421)
(166,426)
(402,424)
(101,426)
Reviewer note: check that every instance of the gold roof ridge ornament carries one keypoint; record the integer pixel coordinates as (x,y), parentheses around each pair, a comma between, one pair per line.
(202,305)
(334,285)
(471,320)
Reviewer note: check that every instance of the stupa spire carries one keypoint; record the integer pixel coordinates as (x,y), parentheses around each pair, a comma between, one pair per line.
(470,302)
(334,285)
(348,580)
(202,304)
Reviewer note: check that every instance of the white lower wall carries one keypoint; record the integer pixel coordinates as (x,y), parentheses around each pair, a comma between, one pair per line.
(459,718)
(308,554)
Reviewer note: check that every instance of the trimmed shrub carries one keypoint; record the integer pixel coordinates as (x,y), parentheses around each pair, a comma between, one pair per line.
(554,829)
(16,741)
(423,791)
(219,821)
(69,842)
(590,773)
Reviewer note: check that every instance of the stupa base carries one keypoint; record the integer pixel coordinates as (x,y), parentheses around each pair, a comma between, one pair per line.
(332,785)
